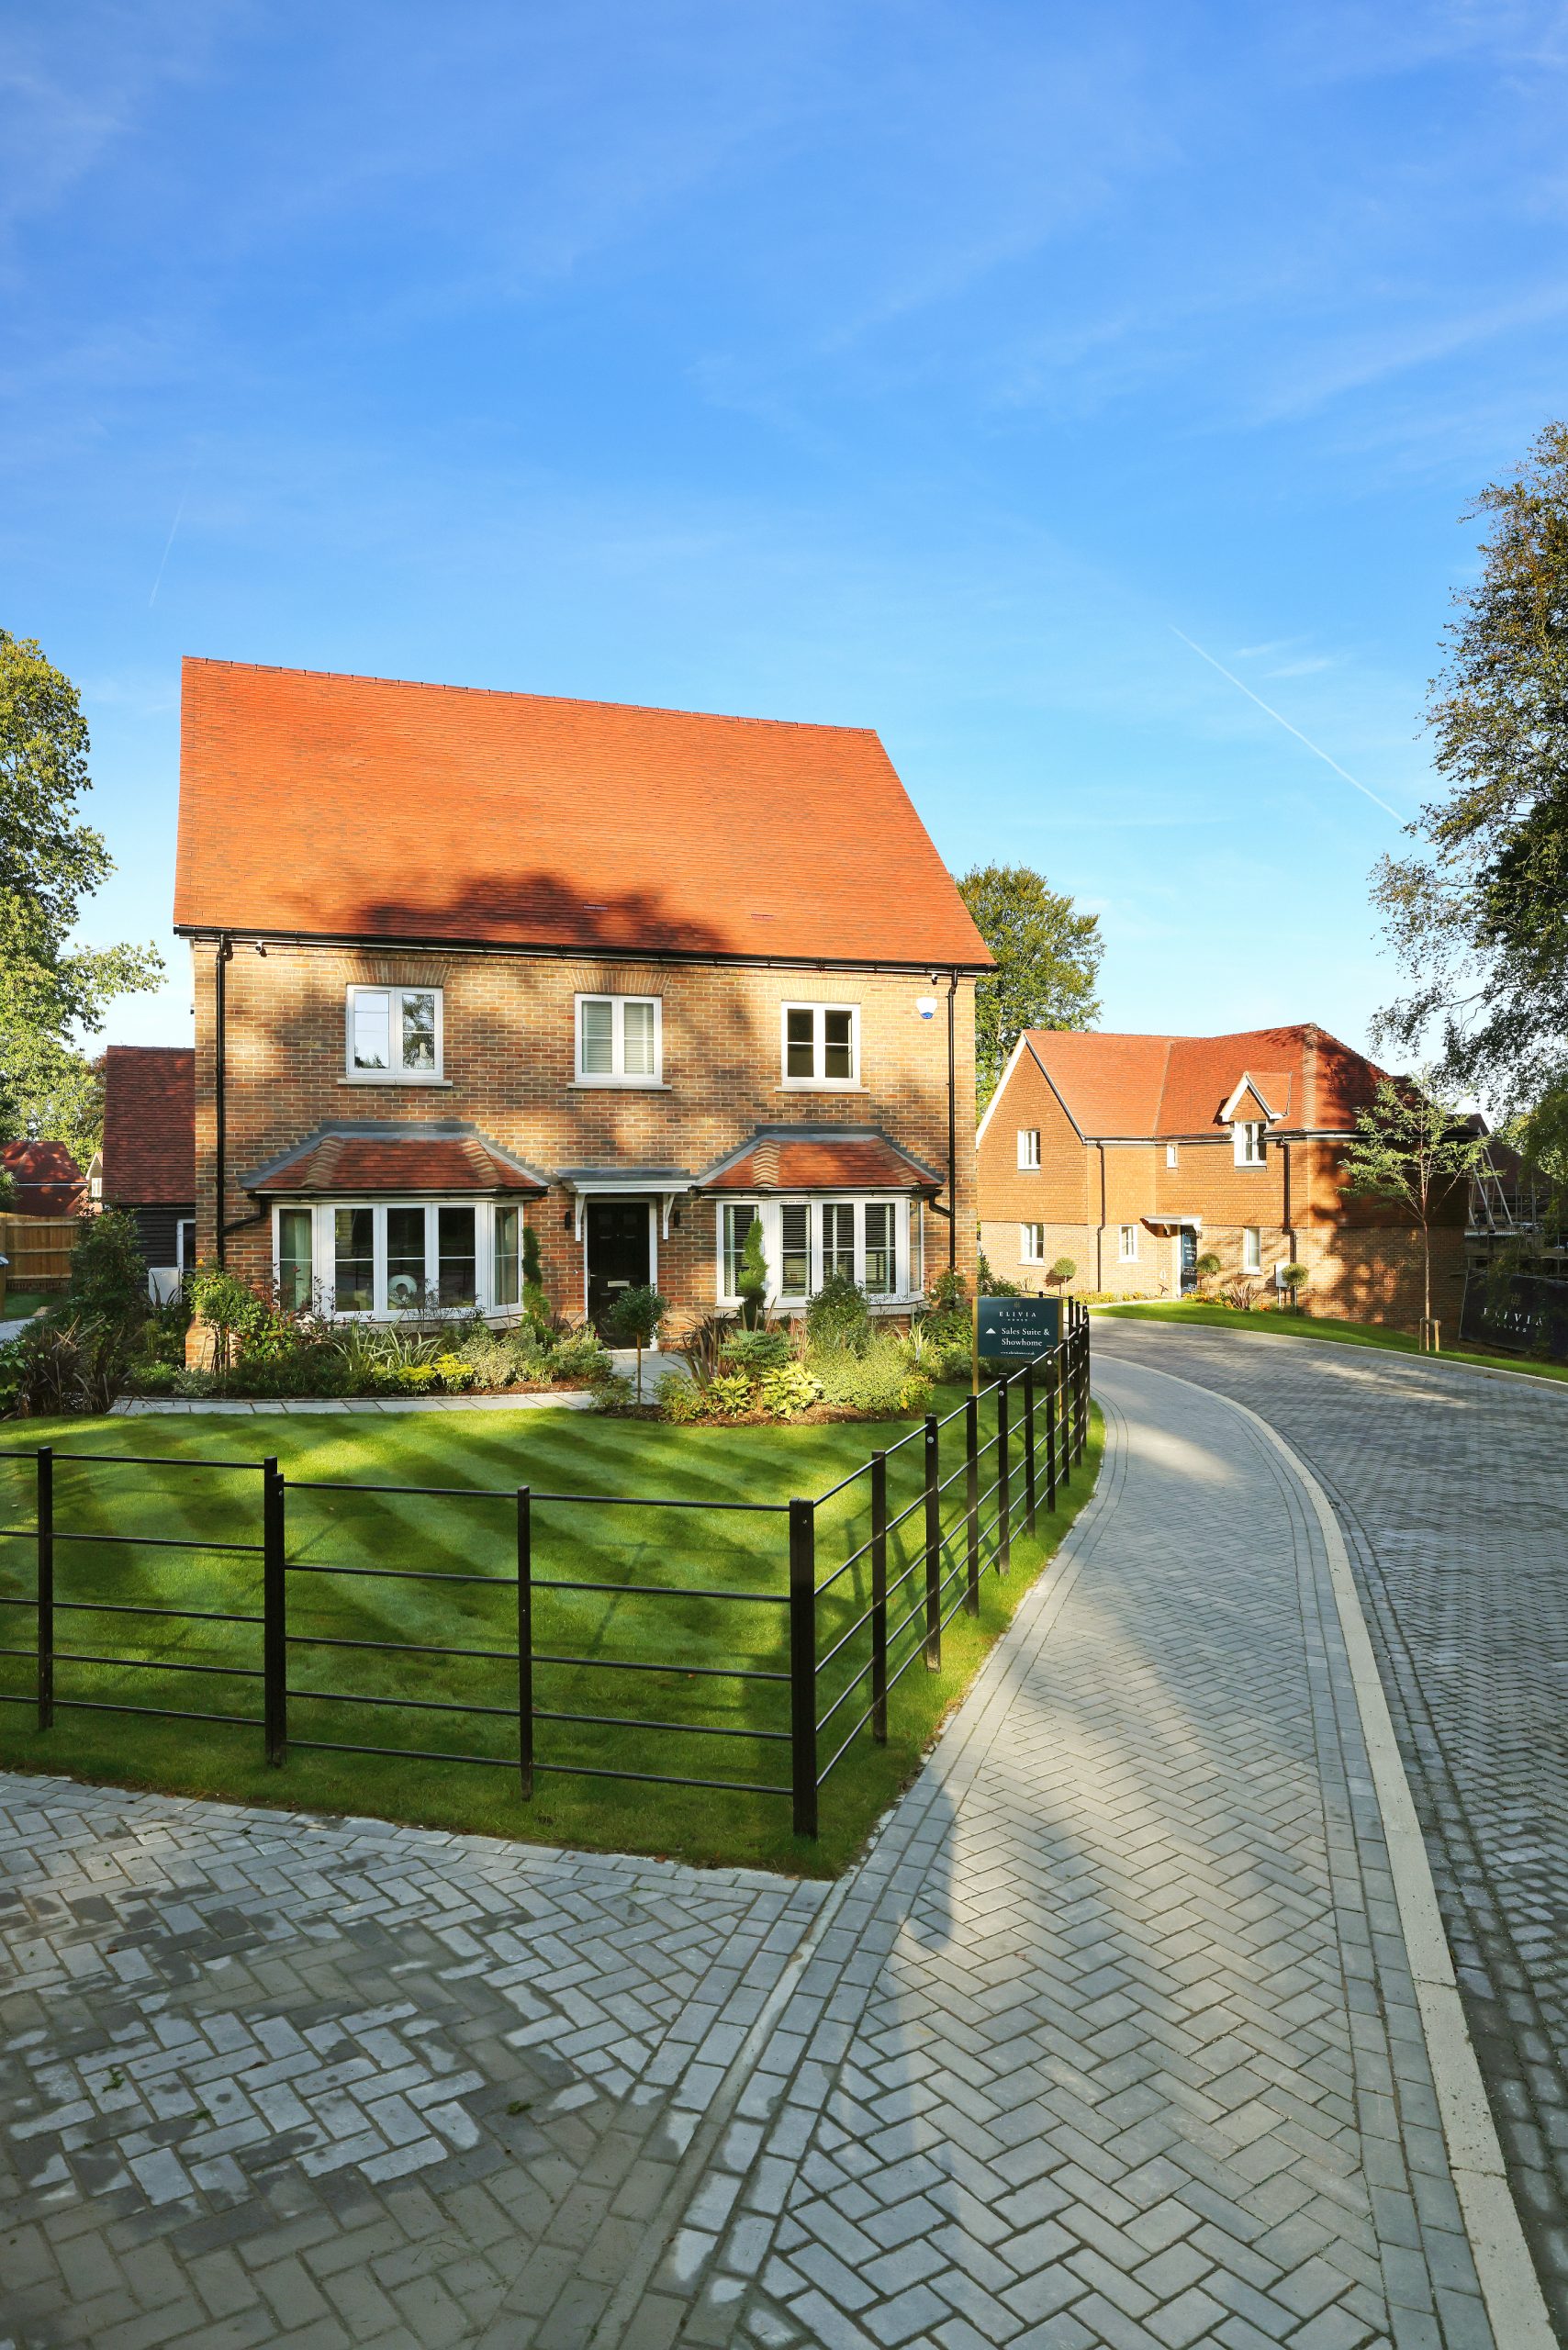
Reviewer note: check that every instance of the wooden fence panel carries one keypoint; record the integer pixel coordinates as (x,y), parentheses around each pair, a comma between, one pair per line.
(39,1249)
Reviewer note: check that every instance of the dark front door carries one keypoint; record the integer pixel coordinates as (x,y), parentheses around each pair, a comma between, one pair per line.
(1189,1258)
(617,1253)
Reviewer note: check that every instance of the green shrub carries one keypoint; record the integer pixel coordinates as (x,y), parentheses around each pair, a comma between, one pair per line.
(108,1276)
(680,1400)
(730,1392)
(992,1284)
(757,1350)
(455,1375)
(787,1389)
(188,1381)
(156,1378)
(751,1281)
(580,1361)
(880,1382)
(838,1315)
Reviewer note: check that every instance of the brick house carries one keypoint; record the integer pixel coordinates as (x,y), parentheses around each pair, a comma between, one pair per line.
(48,1179)
(1134,1156)
(147,1164)
(466,962)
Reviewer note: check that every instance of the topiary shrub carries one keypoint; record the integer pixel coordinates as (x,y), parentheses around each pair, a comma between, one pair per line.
(751,1281)
(1062,1271)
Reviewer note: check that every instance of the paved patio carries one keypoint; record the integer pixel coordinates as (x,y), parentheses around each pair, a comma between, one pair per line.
(1119,2035)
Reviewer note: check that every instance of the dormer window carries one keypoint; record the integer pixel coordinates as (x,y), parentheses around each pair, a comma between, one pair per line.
(1247,1137)
(394,1035)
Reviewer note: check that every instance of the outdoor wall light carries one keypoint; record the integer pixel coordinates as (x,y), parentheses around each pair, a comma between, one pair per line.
(566,1221)
(675,1219)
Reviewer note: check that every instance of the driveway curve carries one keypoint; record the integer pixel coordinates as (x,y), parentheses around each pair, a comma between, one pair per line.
(1452,1488)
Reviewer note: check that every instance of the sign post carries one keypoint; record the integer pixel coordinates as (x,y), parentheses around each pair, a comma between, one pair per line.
(1016,1327)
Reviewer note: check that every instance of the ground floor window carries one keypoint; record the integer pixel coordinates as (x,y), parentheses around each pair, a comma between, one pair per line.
(1251,1249)
(1129,1243)
(394,1257)
(875,1242)
(1031,1244)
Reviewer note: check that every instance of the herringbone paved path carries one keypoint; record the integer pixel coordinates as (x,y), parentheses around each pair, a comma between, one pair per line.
(1111,2039)
(1115,2041)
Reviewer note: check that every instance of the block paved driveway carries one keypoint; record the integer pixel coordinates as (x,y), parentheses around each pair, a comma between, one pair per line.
(1452,1488)
(1110,2039)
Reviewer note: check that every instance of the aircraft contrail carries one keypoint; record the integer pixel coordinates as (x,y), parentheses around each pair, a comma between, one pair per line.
(170,540)
(1299,737)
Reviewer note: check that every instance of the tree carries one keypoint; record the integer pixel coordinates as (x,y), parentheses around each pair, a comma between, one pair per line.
(1479,919)
(634,1319)
(1411,1146)
(1048,959)
(53,990)
(1062,1271)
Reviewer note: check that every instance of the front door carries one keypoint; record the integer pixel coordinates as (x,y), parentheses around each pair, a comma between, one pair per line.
(617,1253)
(1189,1244)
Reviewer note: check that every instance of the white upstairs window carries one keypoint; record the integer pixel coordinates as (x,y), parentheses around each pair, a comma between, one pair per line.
(1246,1138)
(1171,1155)
(394,1035)
(620,1040)
(1028,1145)
(822,1045)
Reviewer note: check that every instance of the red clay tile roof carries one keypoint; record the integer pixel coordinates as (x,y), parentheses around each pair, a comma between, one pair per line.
(340,806)
(1156,1086)
(343,1164)
(48,1179)
(821,1163)
(149,1126)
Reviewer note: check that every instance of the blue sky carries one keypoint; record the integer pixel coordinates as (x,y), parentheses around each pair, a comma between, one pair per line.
(922,366)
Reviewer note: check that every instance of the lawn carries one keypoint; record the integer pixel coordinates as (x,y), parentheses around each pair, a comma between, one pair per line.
(19,1302)
(132,1654)
(1312,1326)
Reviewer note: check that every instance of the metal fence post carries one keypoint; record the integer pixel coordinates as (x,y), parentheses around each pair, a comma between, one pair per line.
(45,1523)
(880,1598)
(932,1544)
(525,1640)
(1029,1448)
(803,1664)
(1004,1501)
(971,1498)
(1083,1383)
(1051,1385)
(1064,1401)
(275,1633)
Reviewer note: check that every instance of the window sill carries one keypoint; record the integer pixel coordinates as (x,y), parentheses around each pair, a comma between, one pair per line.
(820,1085)
(431,1084)
(619,1085)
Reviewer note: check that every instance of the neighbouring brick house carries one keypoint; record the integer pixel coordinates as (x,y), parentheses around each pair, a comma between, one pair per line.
(147,1165)
(48,1179)
(465,961)
(1134,1156)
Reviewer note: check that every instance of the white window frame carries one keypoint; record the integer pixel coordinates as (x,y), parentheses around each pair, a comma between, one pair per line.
(1126,1243)
(1252,1248)
(616,1075)
(1172,1157)
(1249,1141)
(1028,1145)
(817,1082)
(323,1256)
(394,995)
(1031,1244)
(908,1245)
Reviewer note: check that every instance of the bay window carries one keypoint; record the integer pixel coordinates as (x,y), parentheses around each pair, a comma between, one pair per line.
(619,1040)
(875,1243)
(822,1045)
(400,1258)
(393,1034)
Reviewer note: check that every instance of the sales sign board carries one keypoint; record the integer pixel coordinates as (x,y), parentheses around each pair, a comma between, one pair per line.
(1019,1326)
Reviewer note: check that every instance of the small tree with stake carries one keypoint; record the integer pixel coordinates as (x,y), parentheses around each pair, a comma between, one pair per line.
(634,1319)
(1412,1146)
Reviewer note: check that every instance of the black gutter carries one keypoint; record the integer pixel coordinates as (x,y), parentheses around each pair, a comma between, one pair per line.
(220,1106)
(952,1130)
(381,941)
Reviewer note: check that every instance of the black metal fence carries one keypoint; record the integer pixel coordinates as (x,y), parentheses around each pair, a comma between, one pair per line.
(807,1662)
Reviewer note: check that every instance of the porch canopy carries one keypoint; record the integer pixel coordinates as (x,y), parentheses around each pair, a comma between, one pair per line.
(667,1184)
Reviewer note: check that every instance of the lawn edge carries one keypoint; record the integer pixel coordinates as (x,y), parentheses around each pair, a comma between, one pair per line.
(1486,1366)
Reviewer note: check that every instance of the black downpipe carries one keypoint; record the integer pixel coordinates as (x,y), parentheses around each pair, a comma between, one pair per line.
(952,1130)
(225,950)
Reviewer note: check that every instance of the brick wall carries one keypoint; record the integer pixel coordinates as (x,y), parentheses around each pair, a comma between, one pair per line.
(509,1062)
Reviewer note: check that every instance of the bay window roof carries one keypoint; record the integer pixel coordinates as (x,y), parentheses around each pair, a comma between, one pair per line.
(820,1158)
(410,1158)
